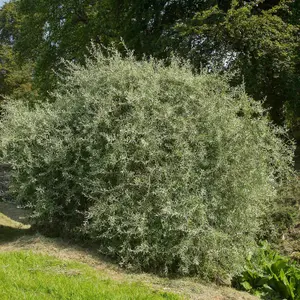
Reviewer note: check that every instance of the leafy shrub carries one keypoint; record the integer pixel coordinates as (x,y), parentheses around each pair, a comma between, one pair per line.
(168,171)
(270,275)
(284,214)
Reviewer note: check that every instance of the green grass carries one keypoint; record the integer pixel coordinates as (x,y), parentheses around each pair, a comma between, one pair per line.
(24,275)
(6,221)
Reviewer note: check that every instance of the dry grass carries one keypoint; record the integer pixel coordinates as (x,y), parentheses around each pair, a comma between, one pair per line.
(189,288)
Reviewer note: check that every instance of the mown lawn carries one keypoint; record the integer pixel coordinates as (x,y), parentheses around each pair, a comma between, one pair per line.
(25,275)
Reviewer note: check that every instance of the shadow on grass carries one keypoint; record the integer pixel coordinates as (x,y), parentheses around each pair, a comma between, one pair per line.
(14,222)
(14,213)
(10,234)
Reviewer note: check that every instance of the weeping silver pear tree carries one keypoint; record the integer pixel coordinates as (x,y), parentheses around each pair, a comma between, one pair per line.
(165,170)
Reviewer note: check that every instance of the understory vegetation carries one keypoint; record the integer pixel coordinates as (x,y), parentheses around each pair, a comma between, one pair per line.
(273,270)
(270,275)
(167,171)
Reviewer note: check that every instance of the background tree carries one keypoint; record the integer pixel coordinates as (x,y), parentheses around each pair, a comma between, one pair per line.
(15,79)
(15,76)
(260,43)
(52,30)
(258,40)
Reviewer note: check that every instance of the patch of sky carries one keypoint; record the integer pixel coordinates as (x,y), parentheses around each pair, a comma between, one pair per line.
(2,2)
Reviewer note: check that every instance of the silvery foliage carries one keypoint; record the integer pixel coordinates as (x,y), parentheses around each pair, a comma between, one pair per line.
(166,170)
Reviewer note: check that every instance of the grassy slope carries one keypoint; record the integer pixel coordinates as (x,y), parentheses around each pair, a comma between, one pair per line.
(7,222)
(34,276)
(25,269)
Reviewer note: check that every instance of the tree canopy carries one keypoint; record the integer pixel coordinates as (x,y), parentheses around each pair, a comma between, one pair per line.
(260,43)
(257,40)
(15,75)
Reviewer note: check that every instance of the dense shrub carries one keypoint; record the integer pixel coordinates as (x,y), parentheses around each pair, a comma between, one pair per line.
(284,213)
(167,170)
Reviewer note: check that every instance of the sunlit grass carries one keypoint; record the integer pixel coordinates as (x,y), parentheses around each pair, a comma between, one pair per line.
(24,275)
(6,221)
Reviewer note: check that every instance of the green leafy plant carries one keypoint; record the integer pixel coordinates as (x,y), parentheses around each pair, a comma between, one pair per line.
(270,275)
(165,170)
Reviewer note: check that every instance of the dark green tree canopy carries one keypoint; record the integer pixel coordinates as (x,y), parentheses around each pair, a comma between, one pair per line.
(261,46)
(9,23)
(15,76)
(258,40)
